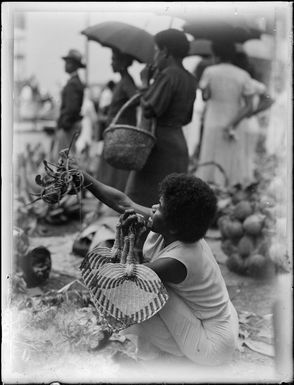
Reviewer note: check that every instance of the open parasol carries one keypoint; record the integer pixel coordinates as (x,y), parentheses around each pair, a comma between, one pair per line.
(200,47)
(219,25)
(221,30)
(203,47)
(126,38)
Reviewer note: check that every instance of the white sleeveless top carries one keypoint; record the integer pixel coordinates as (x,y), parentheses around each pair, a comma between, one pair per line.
(204,289)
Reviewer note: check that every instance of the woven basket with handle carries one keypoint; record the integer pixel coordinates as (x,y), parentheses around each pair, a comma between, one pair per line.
(127,147)
(124,292)
(100,255)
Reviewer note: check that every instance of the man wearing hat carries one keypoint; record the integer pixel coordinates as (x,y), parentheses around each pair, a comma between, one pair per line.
(70,117)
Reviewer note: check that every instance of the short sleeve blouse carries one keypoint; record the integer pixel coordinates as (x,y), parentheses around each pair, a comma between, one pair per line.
(225,77)
(171,97)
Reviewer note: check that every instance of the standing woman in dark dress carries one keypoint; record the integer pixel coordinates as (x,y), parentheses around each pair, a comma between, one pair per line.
(122,92)
(169,99)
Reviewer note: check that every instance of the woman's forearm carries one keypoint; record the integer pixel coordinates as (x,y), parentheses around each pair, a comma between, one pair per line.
(112,197)
(241,115)
(262,106)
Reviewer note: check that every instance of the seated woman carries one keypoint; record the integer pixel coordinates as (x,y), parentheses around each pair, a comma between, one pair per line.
(199,320)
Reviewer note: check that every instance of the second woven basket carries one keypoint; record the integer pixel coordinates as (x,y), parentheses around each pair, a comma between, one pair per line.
(127,147)
(124,292)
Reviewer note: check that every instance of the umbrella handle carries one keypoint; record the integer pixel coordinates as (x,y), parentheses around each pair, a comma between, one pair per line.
(124,107)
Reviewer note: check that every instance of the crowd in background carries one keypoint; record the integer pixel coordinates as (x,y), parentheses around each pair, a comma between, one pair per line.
(225,117)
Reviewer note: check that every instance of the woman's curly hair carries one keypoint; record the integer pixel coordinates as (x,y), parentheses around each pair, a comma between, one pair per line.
(174,40)
(226,51)
(189,205)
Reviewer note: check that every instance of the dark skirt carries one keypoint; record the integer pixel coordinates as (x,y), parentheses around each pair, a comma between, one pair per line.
(112,176)
(169,155)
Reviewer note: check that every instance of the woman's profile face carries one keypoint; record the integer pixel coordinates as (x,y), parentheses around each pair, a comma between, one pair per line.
(115,62)
(157,221)
(119,61)
(160,56)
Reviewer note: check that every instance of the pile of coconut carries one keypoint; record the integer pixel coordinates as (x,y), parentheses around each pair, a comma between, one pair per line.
(254,229)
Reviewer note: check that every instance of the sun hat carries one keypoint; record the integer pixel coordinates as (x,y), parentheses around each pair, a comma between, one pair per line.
(76,56)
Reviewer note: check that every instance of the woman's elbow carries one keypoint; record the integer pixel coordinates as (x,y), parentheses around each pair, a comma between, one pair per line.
(205,95)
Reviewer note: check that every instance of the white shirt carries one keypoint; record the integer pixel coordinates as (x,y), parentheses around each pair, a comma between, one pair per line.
(204,289)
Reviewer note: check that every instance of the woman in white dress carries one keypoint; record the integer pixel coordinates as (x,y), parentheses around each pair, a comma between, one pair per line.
(229,93)
(280,115)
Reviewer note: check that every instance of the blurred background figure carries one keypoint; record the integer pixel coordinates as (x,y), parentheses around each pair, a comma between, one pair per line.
(69,121)
(95,94)
(194,139)
(169,99)
(261,101)
(276,131)
(88,124)
(30,99)
(229,93)
(104,104)
(122,92)
(241,60)
(206,61)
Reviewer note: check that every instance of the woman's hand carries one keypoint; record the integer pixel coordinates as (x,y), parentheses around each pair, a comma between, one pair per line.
(146,75)
(65,160)
(230,133)
(131,218)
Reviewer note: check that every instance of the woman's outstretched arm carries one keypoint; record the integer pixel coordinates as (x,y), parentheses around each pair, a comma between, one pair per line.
(112,197)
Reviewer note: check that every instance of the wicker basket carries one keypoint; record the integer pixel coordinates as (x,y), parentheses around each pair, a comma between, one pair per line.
(127,147)
(100,255)
(125,292)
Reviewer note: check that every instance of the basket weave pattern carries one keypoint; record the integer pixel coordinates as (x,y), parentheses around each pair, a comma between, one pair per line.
(127,147)
(133,299)
(124,292)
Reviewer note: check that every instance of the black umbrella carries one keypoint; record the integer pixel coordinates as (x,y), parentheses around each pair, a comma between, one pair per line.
(203,47)
(200,47)
(215,29)
(126,38)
